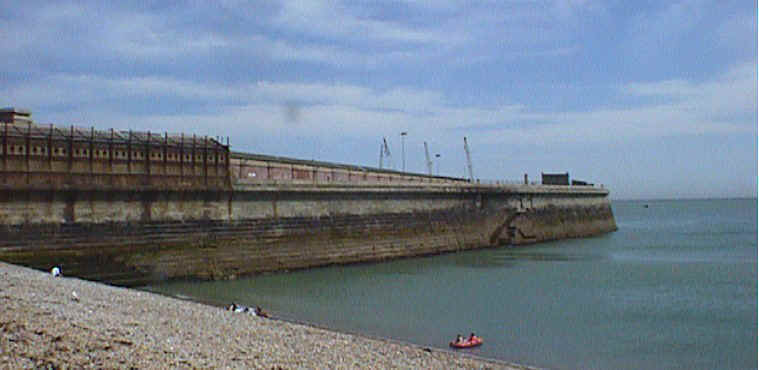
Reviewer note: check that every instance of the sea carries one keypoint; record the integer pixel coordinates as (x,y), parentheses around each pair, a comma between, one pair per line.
(674,288)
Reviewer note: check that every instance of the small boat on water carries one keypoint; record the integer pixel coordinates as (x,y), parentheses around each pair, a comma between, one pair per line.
(468,343)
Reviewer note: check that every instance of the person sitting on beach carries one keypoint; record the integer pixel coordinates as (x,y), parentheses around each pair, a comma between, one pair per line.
(234,307)
(237,308)
(260,313)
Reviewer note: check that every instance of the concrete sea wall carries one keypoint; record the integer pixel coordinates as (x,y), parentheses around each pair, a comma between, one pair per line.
(133,208)
(132,238)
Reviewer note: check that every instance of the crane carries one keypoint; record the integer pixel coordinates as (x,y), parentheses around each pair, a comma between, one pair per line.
(468,160)
(384,153)
(429,161)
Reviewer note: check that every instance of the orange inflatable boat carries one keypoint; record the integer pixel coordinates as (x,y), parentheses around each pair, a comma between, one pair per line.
(468,343)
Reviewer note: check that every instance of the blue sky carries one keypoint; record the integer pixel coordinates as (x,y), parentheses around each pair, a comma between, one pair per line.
(652,99)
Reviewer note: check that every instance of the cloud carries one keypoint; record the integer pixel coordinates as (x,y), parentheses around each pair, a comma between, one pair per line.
(133,39)
(731,96)
(93,90)
(737,31)
(331,20)
(284,50)
(571,8)
(725,104)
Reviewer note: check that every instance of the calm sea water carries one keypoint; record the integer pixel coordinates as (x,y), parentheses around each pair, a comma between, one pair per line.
(675,287)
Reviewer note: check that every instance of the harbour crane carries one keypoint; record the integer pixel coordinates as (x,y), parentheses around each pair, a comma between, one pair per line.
(468,160)
(429,161)
(384,153)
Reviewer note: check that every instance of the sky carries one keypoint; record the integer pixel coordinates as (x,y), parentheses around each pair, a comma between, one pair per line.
(652,99)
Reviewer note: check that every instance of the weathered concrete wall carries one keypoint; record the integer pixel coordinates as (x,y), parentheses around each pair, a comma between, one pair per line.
(136,237)
(133,207)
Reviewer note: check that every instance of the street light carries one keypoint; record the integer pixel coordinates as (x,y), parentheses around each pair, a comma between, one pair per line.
(437,159)
(403,149)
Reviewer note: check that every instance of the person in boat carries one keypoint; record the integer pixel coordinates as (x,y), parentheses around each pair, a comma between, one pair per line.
(459,339)
(471,337)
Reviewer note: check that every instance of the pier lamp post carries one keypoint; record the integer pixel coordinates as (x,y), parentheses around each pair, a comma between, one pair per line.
(437,159)
(403,149)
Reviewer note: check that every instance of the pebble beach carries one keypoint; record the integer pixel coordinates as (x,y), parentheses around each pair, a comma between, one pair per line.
(63,322)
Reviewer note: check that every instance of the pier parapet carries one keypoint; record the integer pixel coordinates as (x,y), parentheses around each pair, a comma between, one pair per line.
(49,157)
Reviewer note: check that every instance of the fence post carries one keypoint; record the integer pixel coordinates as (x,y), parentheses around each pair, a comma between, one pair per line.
(28,144)
(227,164)
(165,157)
(181,157)
(71,156)
(216,160)
(5,151)
(205,161)
(92,147)
(193,159)
(129,153)
(50,151)
(111,175)
(147,160)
